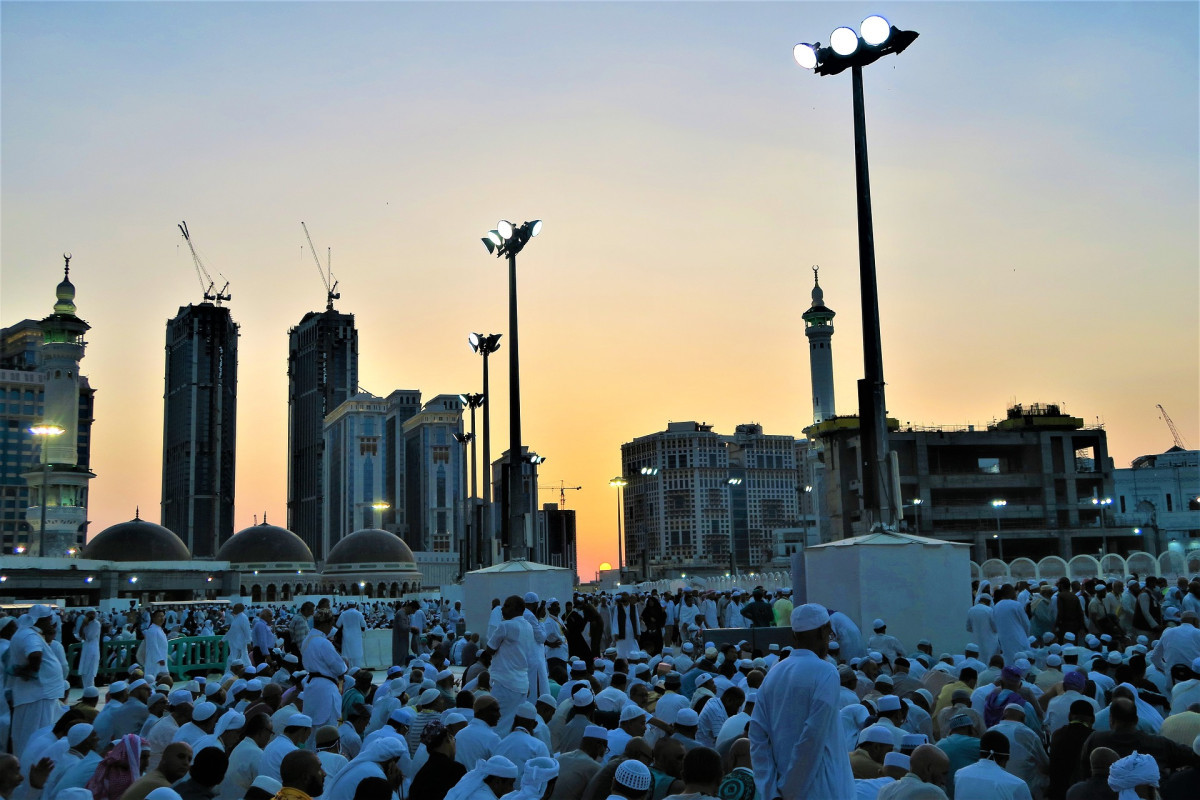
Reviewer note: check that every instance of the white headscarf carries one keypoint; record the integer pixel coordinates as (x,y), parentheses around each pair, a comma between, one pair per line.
(1130,772)
(538,773)
(1146,712)
(494,767)
(364,765)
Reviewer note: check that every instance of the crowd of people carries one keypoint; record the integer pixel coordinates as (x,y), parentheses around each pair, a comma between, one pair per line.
(1067,692)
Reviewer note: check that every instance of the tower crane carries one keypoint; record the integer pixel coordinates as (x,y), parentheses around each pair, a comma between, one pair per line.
(1179,442)
(326,272)
(562,490)
(202,273)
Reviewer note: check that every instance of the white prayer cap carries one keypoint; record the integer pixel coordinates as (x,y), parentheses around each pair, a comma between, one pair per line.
(630,711)
(971,648)
(595,732)
(1070,637)
(40,611)
(959,721)
(499,767)
(91,692)
(809,617)
(194,686)
(885,679)
(266,784)
(179,697)
(428,697)
(298,721)
(583,698)
(441,676)
(116,687)
(578,666)
(875,656)
(833,645)
(254,685)
(526,711)
(238,686)
(455,718)
(438,631)
(633,774)
(895,759)
(77,733)
(1053,660)
(687,717)
(688,647)
(233,721)
(75,794)
(889,702)
(210,689)
(703,678)
(139,683)
(877,734)
(1141,639)
(878,623)
(548,699)
(1056,649)
(290,658)
(774,647)
(203,711)
(913,739)
(1130,772)
(164,793)
(531,597)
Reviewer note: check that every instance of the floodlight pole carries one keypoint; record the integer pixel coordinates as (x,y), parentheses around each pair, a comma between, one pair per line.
(516,495)
(872,410)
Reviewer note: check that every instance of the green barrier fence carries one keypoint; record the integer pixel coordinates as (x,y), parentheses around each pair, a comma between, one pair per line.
(186,656)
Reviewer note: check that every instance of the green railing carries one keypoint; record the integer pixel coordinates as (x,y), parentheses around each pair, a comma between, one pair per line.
(186,656)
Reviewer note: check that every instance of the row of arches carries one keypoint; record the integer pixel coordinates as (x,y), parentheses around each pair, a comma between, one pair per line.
(1167,565)
(284,592)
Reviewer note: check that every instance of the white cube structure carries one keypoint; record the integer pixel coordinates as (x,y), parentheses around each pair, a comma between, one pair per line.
(512,577)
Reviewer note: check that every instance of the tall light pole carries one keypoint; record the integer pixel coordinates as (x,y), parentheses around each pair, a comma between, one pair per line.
(731,482)
(854,51)
(45,432)
(508,240)
(1100,503)
(996,506)
(464,547)
(485,344)
(619,482)
(650,472)
(380,506)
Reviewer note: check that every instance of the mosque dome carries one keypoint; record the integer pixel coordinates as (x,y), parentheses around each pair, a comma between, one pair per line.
(65,291)
(266,544)
(369,548)
(136,540)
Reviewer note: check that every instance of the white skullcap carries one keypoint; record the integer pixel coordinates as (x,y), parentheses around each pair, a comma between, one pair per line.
(116,687)
(633,774)
(1130,772)
(179,697)
(91,692)
(889,702)
(526,711)
(631,712)
(809,617)
(454,718)
(531,597)
(877,734)
(885,679)
(499,767)
(77,733)
(428,697)
(164,793)
(548,699)
(254,685)
(895,759)
(1053,660)
(233,721)
(879,623)
(40,611)
(582,699)
(266,784)
(209,689)
(595,732)
(139,683)
(687,717)
(238,686)
(203,711)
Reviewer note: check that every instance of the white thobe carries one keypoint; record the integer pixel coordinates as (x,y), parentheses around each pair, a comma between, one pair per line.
(848,636)
(243,769)
(322,700)
(910,787)
(34,699)
(539,680)
(520,746)
(156,651)
(512,641)
(161,734)
(189,732)
(796,738)
(1012,629)
(982,627)
(626,643)
(353,624)
(89,654)
(1028,759)
(733,728)
(273,755)
(712,717)
(987,780)
(238,637)
(474,742)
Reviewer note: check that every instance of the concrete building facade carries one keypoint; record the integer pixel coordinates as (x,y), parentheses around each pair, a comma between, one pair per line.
(1157,498)
(353,464)
(435,476)
(200,427)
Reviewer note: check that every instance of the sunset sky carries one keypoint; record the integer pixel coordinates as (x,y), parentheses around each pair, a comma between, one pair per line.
(1033,170)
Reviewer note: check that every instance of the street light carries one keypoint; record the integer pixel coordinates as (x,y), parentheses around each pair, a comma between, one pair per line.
(45,432)
(996,506)
(512,241)
(485,344)
(916,503)
(849,50)
(1100,503)
(619,482)
(380,507)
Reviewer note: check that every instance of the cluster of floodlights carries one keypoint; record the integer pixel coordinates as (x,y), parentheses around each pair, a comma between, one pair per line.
(508,239)
(876,38)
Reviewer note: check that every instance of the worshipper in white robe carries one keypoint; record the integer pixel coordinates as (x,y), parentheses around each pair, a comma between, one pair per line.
(1027,756)
(848,636)
(201,725)
(535,779)
(246,757)
(295,733)
(489,780)
(322,698)
(81,741)
(162,733)
(884,643)
(626,626)
(238,636)
(520,745)
(982,627)
(35,676)
(796,738)
(89,652)
(539,680)
(987,778)
(377,759)
(1012,625)
(510,646)
(156,646)
(228,728)
(353,626)
(1133,772)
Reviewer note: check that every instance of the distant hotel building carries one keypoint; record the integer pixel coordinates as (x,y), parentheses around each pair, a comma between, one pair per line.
(322,374)
(200,427)
(702,502)
(40,382)
(1159,497)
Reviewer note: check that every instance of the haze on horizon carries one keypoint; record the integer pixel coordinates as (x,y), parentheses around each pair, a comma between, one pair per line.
(1034,178)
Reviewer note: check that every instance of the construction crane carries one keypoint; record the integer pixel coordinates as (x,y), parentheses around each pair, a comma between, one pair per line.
(331,292)
(202,273)
(1179,442)
(562,490)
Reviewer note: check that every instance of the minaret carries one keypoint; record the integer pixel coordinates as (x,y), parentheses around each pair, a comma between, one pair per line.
(818,327)
(61,481)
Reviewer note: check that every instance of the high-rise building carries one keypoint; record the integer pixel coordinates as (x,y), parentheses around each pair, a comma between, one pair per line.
(699,501)
(818,327)
(200,427)
(435,476)
(501,470)
(322,374)
(40,384)
(402,405)
(1157,500)
(555,542)
(355,455)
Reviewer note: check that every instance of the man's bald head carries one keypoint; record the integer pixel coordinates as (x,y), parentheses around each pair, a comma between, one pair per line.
(739,754)
(1101,759)
(929,763)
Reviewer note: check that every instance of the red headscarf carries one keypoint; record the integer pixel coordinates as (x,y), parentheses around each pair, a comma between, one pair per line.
(120,768)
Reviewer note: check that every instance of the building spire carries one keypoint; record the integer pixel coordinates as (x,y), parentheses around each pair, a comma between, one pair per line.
(137,512)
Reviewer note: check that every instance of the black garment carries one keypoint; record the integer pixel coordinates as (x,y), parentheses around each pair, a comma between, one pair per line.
(191,790)
(653,619)
(1094,788)
(436,778)
(1167,753)
(577,646)
(1066,744)
(1070,615)
(760,614)
(1183,785)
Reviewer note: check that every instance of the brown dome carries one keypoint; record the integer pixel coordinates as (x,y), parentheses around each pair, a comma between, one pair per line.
(265,544)
(369,546)
(136,540)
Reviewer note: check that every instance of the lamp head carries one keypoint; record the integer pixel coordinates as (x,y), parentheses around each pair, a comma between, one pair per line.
(505,229)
